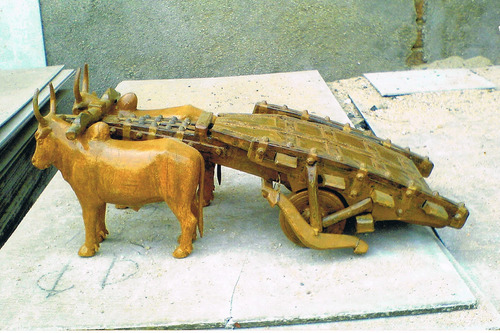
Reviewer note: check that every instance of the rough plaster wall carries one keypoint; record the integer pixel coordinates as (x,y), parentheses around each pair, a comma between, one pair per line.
(465,28)
(177,39)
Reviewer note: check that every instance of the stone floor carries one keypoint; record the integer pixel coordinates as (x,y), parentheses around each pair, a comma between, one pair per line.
(245,273)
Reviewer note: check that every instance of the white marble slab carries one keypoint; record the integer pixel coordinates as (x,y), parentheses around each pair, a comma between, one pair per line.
(17,87)
(15,122)
(416,81)
(305,90)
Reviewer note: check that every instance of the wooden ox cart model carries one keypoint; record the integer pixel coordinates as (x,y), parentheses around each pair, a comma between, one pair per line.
(335,173)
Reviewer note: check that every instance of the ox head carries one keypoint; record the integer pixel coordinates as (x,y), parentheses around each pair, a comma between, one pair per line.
(44,152)
(85,100)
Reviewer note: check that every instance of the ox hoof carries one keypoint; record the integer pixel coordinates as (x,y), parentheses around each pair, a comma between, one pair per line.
(193,238)
(88,252)
(102,235)
(180,253)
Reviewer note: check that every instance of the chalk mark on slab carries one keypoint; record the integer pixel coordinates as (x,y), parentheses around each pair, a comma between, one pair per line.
(107,280)
(52,291)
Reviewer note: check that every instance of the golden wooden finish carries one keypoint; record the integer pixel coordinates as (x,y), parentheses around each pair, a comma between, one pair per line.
(307,235)
(354,210)
(103,170)
(336,173)
(328,203)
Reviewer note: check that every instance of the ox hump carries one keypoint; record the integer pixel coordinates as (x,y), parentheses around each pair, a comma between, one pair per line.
(98,131)
(127,102)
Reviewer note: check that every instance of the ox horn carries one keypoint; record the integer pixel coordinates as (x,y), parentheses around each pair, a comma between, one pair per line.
(76,87)
(43,122)
(85,78)
(52,100)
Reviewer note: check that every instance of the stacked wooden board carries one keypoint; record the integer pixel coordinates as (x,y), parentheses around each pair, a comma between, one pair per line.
(20,182)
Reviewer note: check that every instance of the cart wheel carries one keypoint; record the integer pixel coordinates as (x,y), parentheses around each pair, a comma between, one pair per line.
(328,202)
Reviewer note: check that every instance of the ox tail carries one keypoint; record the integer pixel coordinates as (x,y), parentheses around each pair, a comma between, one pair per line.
(200,195)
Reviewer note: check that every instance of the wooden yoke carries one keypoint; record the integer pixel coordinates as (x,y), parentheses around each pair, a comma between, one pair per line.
(95,113)
(88,107)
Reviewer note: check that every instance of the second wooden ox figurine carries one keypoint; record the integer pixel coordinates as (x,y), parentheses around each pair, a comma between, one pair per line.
(102,170)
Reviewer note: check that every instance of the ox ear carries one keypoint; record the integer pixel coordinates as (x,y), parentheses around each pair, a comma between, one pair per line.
(43,122)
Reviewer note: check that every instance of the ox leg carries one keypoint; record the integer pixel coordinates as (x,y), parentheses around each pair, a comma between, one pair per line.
(101,230)
(194,211)
(208,192)
(188,224)
(90,219)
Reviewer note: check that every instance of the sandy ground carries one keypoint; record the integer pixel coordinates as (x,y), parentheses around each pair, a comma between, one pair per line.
(458,130)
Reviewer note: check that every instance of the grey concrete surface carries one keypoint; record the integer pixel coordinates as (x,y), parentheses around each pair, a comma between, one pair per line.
(462,28)
(244,272)
(340,38)
(186,39)
(131,40)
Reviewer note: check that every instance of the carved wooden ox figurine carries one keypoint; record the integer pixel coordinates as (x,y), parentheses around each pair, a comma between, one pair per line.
(125,105)
(94,109)
(102,170)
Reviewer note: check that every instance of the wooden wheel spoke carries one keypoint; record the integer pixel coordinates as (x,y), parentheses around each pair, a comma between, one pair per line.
(329,203)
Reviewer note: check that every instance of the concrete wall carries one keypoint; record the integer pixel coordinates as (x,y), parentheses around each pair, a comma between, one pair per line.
(131,39)
(465,28)
(177,39)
